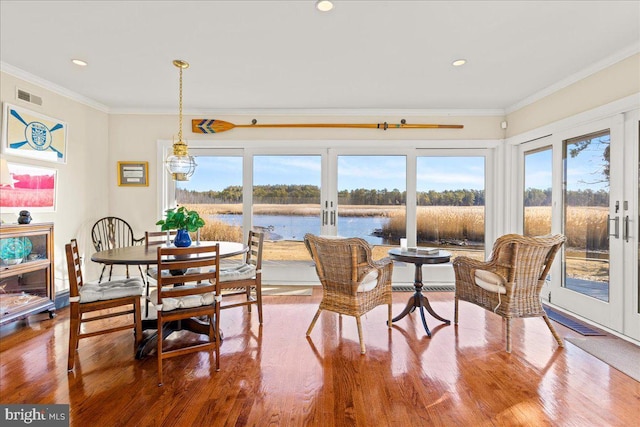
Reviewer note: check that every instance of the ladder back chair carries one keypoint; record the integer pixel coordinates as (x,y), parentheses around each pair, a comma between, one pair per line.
(509,283)
(112,232)
(352,282)
(89,297)
(245,278)
(153,239)
(188,288)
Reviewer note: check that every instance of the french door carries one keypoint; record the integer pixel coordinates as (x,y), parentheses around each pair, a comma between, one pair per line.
(583,182)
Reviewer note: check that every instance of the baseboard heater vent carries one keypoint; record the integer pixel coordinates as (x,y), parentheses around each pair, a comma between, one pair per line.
(26,96)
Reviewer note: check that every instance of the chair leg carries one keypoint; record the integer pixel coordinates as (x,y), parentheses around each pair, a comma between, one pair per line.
(216,336)
(74,331)
(359,323)
(137,321)
(159,349)
(390,317)
(248,293)
(110,271)
(104,266)
(508,320)
(259,299)
(313,322)
(455,310)
(553,331)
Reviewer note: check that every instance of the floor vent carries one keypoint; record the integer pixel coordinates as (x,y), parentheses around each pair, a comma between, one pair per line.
(26,96)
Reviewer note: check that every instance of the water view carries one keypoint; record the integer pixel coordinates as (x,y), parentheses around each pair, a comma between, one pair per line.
(291,227)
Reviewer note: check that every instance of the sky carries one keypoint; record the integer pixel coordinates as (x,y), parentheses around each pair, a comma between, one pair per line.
(388,172)
(583,171)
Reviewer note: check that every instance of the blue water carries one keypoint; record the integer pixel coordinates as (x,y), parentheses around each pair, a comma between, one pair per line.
(288,227)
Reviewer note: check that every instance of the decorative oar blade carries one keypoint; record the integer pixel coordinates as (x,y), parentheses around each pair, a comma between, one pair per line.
(216,126)
(210,126)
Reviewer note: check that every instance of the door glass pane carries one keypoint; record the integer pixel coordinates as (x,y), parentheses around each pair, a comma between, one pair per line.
(215,191)
(537,192)
(372,193)
(286,203)
(586,206)
(451,201)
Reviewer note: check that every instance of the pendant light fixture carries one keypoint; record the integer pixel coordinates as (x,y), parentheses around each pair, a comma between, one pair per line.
(181,165)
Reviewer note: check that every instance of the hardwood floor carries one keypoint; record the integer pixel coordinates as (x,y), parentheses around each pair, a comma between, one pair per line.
(274,376)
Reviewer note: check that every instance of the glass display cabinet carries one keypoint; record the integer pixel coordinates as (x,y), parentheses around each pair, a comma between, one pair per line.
(26,271)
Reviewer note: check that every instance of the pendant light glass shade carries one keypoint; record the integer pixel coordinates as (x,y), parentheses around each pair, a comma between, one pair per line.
(180,164)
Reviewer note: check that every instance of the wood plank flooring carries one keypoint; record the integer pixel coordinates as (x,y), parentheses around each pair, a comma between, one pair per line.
(274,376)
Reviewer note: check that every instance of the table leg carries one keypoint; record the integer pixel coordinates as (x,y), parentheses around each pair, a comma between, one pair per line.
(411,305)
(419,301)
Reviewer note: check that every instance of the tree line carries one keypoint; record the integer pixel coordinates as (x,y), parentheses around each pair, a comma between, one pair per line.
(539,197)
(309,194)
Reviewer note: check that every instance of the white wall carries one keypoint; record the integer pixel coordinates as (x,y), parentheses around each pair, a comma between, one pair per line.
(82,194)
(618,81)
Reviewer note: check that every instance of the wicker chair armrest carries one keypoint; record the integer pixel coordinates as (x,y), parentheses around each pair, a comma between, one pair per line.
(382,262)
(385,271)
(470,263)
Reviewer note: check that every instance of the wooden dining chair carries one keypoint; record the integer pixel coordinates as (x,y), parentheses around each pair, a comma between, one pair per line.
(89,297)
(245,278)
(153,239)
(110,233)
(188,288)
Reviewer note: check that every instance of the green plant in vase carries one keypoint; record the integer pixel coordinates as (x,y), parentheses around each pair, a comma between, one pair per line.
(184,221)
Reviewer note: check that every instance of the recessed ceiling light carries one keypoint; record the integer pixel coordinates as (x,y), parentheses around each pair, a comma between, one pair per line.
(324,5)
(79,62)
(459,62)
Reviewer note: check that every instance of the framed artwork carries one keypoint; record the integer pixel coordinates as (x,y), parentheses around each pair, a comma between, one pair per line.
(133,174)
(29,134)
(33,188)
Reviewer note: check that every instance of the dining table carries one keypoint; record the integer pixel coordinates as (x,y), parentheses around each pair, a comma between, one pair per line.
(146,255)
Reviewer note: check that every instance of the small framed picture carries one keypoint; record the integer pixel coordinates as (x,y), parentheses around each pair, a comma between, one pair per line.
(133,174)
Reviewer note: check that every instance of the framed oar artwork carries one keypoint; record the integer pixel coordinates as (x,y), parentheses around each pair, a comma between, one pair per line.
(29,134)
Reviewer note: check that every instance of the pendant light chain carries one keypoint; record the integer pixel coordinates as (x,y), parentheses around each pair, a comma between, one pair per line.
(180,108)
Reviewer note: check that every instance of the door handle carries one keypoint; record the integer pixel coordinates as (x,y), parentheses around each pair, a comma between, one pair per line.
(324,217)
(625,229)
(333,217)
(616,220)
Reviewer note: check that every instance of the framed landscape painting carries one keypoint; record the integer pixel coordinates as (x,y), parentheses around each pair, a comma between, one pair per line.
(33,188)
(29,134)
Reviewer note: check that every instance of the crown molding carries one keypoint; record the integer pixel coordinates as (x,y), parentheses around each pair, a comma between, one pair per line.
(46,84)
(582,74)
(316,112)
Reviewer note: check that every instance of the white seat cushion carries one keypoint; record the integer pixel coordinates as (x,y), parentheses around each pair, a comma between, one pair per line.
(369,281)
(113,289)
(189,301)
(490,281)
(240,272)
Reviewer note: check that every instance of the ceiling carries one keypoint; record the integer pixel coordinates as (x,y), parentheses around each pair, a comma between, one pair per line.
(286,55)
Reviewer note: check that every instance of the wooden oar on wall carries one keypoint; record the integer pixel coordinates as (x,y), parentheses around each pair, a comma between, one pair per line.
(217,126)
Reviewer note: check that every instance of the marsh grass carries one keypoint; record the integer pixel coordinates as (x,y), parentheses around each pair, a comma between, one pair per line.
(586,227)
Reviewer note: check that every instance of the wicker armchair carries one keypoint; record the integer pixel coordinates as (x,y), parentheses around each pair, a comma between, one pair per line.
(509,283)
(352,283)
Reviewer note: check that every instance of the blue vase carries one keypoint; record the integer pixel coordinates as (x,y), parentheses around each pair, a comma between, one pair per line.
(182,239)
